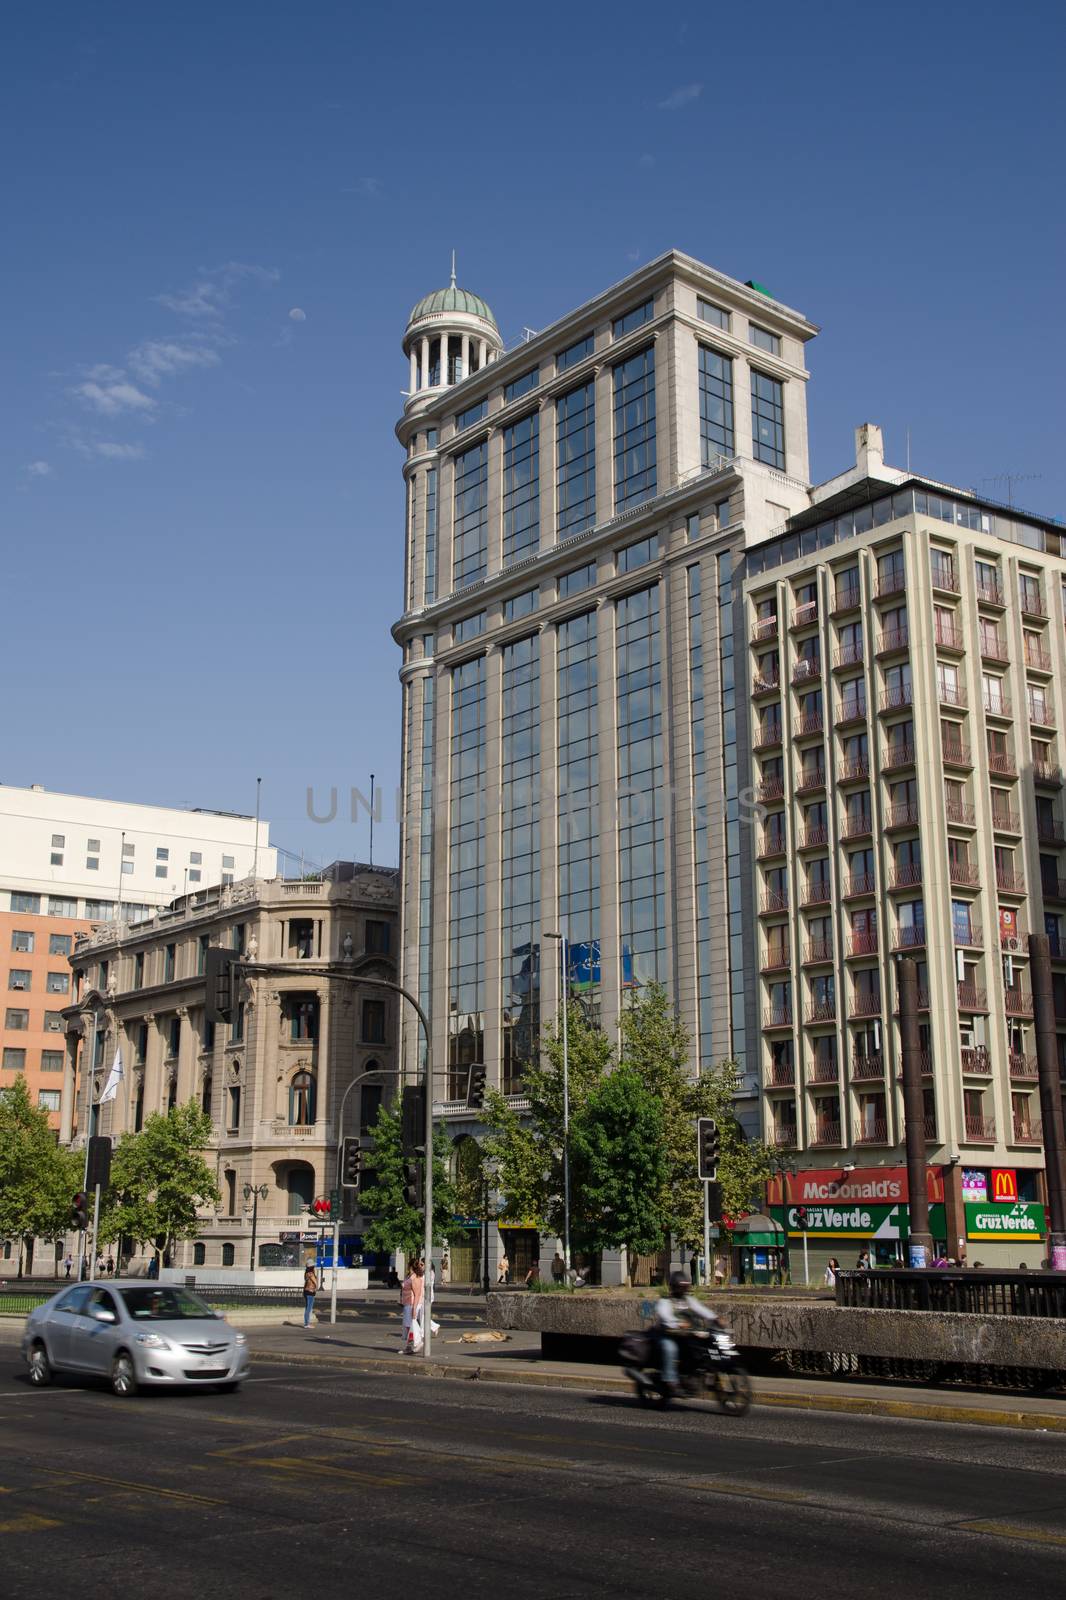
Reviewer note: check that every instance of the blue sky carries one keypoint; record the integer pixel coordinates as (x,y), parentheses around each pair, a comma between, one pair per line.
(217,219)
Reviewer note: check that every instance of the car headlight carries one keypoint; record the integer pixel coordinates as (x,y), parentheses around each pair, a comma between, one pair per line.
(240,1338)
(154,1341)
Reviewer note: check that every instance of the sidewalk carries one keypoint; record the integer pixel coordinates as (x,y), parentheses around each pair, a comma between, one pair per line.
(519,1361)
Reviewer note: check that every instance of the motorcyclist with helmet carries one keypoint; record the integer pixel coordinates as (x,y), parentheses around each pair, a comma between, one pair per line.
(676,1316)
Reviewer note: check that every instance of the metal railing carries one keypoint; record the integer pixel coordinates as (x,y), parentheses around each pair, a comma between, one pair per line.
(984,1293)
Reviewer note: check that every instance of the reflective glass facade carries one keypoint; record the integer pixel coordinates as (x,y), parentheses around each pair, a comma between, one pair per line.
(430,585)
(634,429)
(575,460)
(470,546)
(520,860)
(716,405)
(521,489)
(466,873)
(731,796)
(641,864)
(577,758)
(425,845)
(767,420)
(700,853)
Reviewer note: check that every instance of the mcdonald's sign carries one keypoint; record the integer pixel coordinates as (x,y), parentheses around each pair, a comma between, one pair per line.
(1003,1184)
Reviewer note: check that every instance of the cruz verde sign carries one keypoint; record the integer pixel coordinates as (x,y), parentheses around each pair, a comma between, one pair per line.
(857,1220)
(1022,1220)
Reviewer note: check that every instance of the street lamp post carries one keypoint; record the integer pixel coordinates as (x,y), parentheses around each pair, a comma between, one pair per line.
(255,1194)
(784,1169)
(564,965)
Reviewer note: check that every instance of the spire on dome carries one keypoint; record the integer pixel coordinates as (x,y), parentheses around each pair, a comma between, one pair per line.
(453,269)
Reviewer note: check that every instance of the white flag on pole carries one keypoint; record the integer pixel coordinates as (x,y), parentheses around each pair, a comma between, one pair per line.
(114,1078)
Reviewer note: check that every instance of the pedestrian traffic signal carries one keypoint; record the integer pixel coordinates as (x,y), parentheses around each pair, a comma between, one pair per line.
(79,1216)
(413,1119)
(475,1092)
(412,1185)
(220,984)
(351,1163)
(707,1146)
(801,1218)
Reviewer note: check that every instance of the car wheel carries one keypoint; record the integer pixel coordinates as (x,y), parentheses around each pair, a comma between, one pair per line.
(40,1367)
(229,1388)
(123,1375)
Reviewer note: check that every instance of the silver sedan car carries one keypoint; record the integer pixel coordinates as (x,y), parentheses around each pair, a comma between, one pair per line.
(133,1333)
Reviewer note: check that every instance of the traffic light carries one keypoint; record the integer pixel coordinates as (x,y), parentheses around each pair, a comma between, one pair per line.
(351,1163)
(79,1215)
(707,1146)
(99,1166)
(475,1092)
(801,1218)
(412,1184)
(413,1120)
(220,984)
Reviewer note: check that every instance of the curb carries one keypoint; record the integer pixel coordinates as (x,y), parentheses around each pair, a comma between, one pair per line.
(855,1405)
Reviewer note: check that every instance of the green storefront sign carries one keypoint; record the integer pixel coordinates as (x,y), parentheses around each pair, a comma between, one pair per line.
(854,1219)
(1007,1219)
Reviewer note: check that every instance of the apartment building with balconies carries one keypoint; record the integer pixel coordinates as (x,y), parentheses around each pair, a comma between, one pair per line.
(907,684)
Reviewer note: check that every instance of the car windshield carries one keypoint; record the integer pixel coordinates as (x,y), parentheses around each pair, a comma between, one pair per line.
(164,1305)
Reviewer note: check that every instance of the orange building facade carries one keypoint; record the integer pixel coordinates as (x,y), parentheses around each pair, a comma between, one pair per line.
(35,985)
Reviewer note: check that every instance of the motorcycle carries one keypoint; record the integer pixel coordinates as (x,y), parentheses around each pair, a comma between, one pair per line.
(708,1364)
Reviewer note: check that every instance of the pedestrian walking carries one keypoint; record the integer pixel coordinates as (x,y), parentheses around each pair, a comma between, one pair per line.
(68,1263)
(558,1268)
(833,1267)
(411,1291)
(445,1270)
(504,1269)
(863,1263)
(310,1290)
(110,1265)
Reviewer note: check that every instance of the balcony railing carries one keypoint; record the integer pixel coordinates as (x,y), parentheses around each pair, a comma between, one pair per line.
(806,614)
(863,1068)
(963,874)
(909,939)
(766,683)
(806,669)
(1009,882)
(931,1136)
(821,1011)
(784,1138)
(961,813)
(777,1017)
(817,834)
(859,827)
(1002,764)
(976,1061)
(864,943)
(1050,831)
(1037,659)
(1032,603)
(971,998)
(967,936)
(859,883)
(955,753)
(997,705)
(810,779)
(774,901)
(849,655)
(990,594)
(811,722)
(993,647)
(765,628)
(855,771)
(949,638)
(890,583)
(896,698)
(845,599)
(893,639)
(906,876)
(1026,1132)
(822,1071)
(1023,1068)
(897,756)
(771,789)
(1042,713)
(817,951)
(853,709)
(980,1130)
(767,737)
(925,1064)
(781,1076)
(902,815)
(951,694)
(865,1005)
(772,844)
(944,576)
(826,1133)
(874,1131)
(1018,1003)
(776,960)
(817,894)
(1005,820)
(1014,941)
(1053,888)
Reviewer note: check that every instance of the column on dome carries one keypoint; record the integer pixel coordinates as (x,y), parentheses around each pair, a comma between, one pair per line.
(442,363)
(482,353)
(464,347)
(425,362)
(414,369)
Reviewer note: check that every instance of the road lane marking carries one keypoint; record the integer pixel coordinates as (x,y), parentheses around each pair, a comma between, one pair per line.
(263,1444)
(29,1522)
(137,1487)
(1011,1530)
(320,1468)
(745,1490)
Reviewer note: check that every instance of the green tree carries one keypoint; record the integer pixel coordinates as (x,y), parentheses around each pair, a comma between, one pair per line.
(160,1181)
(38,1179)
(396,1225)
(618,1167)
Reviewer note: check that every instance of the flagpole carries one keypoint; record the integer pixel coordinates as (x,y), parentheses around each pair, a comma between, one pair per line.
(255,856)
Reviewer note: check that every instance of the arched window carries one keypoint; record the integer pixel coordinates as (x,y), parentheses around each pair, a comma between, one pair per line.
(302,1100)
(205,1097)
(199,1254)
(227,1255)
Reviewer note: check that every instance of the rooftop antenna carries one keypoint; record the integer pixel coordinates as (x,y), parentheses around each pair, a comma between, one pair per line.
(255,854)
(1010,479)
(372,782)
(453,269)
(908,449)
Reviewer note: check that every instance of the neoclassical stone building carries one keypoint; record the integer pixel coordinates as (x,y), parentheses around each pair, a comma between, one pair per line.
(274,1078)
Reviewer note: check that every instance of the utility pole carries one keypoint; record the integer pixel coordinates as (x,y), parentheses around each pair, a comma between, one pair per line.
(1047,1060)
(920,1242)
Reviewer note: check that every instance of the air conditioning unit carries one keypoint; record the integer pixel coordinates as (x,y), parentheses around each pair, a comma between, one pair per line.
(1010,944)
(18,986)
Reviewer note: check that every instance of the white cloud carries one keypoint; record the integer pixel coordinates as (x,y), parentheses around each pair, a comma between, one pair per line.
(39,469)
(297,314)
(646,163)
(155,359)
(116,452)
(209,296)
(678,98)
(113,397)
(367,187)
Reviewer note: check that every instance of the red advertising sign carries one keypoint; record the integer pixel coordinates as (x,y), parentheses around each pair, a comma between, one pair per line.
(1003,1184)
(885,1186)
(1008,928)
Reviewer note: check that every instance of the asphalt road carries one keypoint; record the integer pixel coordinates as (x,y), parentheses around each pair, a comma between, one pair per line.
(338,1484)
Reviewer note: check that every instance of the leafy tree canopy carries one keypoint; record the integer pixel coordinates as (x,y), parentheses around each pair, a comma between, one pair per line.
(160,1180)
(396,1225)
(38,1179)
